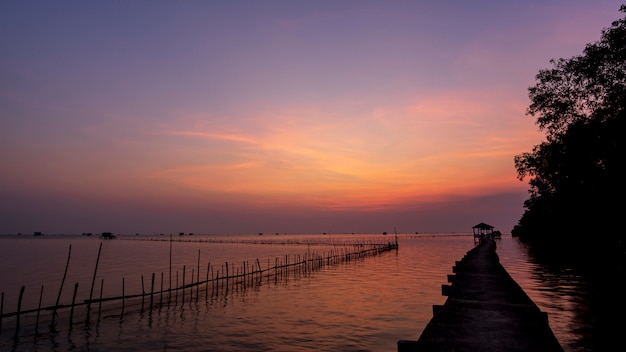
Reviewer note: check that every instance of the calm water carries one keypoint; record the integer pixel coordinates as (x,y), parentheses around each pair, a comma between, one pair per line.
(363,305)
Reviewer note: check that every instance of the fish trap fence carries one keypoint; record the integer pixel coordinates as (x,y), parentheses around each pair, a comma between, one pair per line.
(157,291)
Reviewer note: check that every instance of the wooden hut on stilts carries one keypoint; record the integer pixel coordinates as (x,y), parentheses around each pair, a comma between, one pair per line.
(482,231)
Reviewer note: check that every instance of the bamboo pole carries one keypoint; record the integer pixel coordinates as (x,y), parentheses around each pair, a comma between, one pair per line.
(227,276)
(19,312)
(206,288)
(152,291)
(183,297)
(169,290)
(143,293)
(123,300)
(198,277)
(54,312)
(93,280)
(1,309)
(73,302)
(100,303)
(38,309)
(191,285)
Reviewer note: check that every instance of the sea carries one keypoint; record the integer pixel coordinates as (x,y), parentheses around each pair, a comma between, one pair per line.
(363,304)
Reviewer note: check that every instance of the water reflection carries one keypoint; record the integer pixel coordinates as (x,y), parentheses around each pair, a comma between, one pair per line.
(582,295)
(360,305)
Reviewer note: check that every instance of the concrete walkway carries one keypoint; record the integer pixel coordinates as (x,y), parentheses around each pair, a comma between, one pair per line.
(486,310)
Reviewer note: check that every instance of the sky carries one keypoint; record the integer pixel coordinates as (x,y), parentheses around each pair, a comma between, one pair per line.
(274,116)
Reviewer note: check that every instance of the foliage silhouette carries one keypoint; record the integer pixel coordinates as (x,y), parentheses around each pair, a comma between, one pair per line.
(576,176)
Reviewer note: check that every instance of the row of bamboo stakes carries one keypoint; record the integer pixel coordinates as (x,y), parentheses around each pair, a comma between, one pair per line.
(227,276)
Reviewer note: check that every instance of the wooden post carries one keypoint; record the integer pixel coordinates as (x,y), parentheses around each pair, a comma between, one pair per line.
(19,312)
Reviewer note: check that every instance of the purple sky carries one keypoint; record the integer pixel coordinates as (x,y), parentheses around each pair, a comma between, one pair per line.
(273,116)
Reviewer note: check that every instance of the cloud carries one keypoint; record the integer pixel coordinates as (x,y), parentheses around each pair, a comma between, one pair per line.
(218,136)
(368,158)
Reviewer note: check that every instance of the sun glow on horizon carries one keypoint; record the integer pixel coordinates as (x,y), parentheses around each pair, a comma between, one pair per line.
(221,115)
(371,158)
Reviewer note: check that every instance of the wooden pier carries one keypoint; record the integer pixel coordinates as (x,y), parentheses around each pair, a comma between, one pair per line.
(486,310)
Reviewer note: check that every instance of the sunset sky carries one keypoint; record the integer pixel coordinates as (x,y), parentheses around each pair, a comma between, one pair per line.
(273,116)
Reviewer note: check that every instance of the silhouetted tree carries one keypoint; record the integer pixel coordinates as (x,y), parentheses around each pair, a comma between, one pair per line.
(576,175)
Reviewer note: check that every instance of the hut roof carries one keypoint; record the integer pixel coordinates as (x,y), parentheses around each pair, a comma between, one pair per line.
(483,226)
